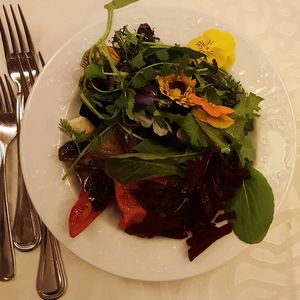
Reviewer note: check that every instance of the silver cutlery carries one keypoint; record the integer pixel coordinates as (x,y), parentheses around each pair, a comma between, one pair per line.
(51,280)
(8,131)
(20,60)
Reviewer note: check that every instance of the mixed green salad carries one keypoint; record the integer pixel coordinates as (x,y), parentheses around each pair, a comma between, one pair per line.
(163,133)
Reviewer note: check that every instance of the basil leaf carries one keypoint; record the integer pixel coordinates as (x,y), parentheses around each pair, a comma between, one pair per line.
(254,208)
(126,170)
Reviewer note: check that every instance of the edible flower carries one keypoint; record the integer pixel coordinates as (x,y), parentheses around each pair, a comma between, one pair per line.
(180,88)
(215,115)
(216,45)
(114,55)
(147,122)
(177,87)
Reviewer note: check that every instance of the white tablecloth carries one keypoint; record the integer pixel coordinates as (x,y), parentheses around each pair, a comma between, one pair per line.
(269,270)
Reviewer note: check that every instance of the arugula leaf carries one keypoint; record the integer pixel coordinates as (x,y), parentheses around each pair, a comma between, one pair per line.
(247,151)
(254,208)
(95,143)
(236,131)
(247,106)
(126,170)
(190,127)
(216,137)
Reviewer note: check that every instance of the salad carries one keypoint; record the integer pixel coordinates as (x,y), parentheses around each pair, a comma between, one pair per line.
(163,134)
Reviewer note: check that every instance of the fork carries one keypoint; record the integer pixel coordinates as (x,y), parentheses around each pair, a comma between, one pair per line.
(8,131)
(20,60)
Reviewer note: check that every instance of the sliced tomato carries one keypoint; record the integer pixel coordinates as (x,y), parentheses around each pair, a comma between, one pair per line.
(132,211)
(81,215)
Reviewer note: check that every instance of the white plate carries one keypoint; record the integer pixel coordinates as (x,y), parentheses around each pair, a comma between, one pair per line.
(103,244)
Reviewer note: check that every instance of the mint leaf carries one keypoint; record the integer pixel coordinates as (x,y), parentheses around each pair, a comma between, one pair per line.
(94,71)
(138,61)
(253,204)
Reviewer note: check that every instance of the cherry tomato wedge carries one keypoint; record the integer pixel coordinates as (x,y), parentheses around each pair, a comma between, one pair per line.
(81,215)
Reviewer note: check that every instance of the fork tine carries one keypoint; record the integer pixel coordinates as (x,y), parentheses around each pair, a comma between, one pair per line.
(19,34)
(3,97)
(42,59)
(27,33)
(12,99)
(24,86)
(35,66)
(4,40)
(29,71)
(11,32)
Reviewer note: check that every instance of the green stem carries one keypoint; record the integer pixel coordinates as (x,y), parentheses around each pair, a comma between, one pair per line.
(128,131)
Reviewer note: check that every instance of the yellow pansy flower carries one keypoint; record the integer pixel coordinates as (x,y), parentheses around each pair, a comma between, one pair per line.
(216,44)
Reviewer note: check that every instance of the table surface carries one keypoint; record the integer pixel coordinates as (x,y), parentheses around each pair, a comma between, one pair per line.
(269,270)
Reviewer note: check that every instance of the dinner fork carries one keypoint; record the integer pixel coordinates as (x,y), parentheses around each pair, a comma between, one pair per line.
(51,281)
(8,131)
(20,61)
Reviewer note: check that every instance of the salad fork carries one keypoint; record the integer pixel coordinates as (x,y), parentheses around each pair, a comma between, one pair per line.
(8,131)
(20,61)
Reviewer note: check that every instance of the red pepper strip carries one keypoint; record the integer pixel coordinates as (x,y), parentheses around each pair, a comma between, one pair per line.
(131,210)
(81,215)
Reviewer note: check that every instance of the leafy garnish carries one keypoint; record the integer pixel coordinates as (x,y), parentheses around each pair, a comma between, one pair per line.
(130,169)
(65,127)
(254,208)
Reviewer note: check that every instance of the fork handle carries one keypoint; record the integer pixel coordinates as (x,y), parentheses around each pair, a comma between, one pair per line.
(26,227)
(51,279)
(7,256)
